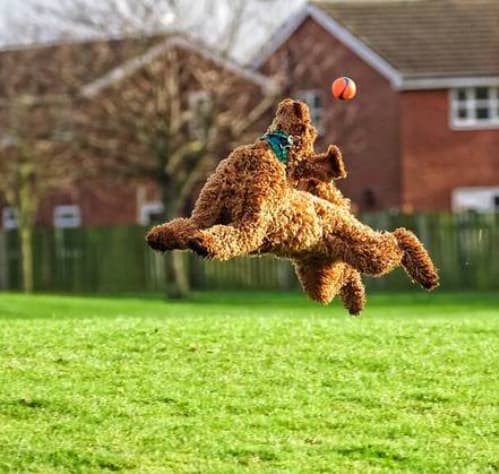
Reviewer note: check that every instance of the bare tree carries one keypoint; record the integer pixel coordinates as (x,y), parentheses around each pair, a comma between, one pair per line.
(38,85)
(170,113)
(34,161)
(232,26)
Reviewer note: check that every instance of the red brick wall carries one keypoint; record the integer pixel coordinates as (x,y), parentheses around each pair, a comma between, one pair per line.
(102,203)
(437,159)
(366,129)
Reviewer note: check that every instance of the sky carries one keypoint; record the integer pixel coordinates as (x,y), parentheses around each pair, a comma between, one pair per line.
(250,38)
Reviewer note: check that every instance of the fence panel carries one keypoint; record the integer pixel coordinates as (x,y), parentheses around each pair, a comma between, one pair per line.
(4,276)
(112,260)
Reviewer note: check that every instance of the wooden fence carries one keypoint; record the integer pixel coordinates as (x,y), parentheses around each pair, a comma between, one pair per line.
(112,260)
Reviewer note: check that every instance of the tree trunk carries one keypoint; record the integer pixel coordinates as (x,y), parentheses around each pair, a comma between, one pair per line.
(27,210)
(177,279)
(26,234)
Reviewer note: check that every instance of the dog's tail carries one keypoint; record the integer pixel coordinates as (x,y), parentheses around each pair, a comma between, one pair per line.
(416,261)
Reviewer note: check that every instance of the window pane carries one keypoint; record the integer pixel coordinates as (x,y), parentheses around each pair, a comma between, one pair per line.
(9,218)
(314,100)
(461,95)
(482,93)
(482,113)
(67,216)
(462,113)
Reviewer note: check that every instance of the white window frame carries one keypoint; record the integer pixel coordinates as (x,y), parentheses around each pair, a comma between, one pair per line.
(478,198)
(316,113)
(67,216)
(7,141)
(9,218)
(148,208)
(471,103)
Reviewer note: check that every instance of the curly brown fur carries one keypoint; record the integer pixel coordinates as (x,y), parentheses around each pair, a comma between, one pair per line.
(249,205)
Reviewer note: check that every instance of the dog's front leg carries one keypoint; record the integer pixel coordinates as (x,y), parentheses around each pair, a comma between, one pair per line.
(173,235)
(223,242)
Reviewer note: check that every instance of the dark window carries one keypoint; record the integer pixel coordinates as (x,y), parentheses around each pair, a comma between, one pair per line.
(482,113)
(482,93)
(369,198)
(313,98)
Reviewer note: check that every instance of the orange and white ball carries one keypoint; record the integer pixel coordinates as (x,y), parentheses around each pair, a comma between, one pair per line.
(343,88)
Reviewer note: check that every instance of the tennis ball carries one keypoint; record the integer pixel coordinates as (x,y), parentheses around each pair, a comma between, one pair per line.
(343,88)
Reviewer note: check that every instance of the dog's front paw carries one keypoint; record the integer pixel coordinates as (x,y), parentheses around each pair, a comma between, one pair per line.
(162,238)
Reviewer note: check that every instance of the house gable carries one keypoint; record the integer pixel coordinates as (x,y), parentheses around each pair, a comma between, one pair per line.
(414,60)
(54,71)
(339,32)
(124,70)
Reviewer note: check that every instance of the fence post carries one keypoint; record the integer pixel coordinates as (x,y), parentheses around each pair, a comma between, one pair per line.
(4,268)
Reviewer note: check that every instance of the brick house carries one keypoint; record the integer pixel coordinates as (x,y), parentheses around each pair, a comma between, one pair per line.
(427,108)
(85,72)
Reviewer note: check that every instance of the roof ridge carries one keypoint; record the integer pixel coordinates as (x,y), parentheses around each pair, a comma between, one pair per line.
(70,41)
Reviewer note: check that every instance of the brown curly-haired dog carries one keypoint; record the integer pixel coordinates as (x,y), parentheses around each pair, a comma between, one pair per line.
(249,205)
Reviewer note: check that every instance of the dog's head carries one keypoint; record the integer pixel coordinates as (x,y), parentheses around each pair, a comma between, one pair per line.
(293,118)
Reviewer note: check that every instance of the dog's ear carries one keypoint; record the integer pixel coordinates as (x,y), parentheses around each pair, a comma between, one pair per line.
(336,162)
(298,109)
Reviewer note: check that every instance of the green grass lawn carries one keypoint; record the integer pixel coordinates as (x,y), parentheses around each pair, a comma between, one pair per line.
(256,383)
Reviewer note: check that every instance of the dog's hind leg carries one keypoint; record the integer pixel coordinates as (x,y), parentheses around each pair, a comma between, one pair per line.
(353,292)
(321,280)
(416,261)
(367,251)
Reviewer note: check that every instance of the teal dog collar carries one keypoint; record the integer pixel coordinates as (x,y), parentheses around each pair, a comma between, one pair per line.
(280,142)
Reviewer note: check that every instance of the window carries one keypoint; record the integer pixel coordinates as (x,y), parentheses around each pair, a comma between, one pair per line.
(66,217)
(481,199)
(7,141)
(475,107)
(151,213)
(60,121)
(9,218)
(200,107)
(313,98)
(63,130)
